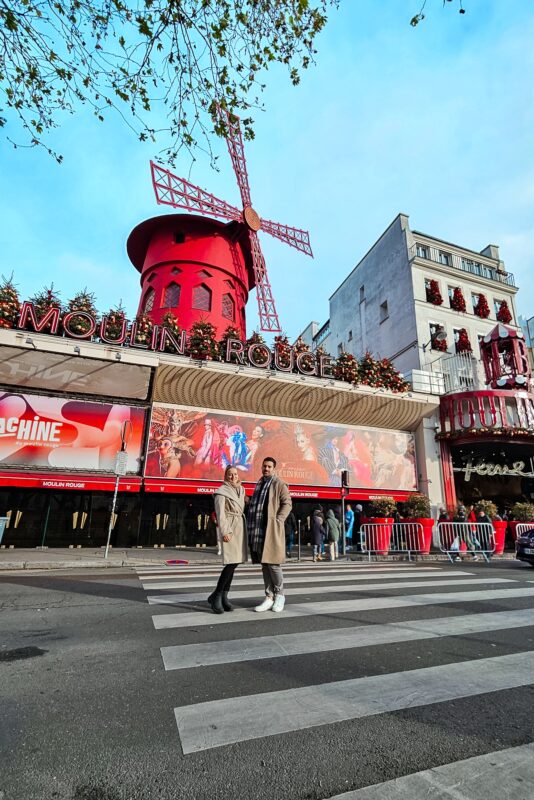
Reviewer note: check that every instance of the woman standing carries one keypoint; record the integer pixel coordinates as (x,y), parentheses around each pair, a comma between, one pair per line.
(318,533)
(333,532)
(230,510)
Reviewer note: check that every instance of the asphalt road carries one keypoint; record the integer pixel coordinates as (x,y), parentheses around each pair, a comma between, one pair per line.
(294,706)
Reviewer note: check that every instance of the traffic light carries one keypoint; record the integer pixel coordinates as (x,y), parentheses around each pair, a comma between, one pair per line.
(345,481)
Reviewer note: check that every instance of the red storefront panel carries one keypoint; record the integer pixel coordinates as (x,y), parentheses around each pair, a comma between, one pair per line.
(297,492)
(63,482)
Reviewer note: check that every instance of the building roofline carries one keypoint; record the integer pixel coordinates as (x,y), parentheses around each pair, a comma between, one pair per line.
(400,214)
(458,246)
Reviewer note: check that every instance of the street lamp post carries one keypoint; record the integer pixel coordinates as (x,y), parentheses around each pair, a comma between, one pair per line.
(121,467)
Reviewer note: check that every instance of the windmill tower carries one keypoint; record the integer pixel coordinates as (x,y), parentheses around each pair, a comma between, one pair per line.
(201,268)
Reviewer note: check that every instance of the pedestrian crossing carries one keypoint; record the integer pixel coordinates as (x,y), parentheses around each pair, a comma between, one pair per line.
(365,623)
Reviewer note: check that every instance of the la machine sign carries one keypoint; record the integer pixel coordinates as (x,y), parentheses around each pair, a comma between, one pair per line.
(255,355)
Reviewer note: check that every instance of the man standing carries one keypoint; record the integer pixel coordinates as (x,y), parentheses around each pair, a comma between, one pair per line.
(269,506)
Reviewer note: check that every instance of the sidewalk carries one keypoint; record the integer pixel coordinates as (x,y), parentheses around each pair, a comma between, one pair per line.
(89,557)
(67,558)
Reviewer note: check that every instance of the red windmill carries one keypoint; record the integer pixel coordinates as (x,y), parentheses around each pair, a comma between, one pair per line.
(180,193)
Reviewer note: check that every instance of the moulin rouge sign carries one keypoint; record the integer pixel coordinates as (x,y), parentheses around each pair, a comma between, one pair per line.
(237,352)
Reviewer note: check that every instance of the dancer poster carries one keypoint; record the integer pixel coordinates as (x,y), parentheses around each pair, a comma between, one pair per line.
(185,443)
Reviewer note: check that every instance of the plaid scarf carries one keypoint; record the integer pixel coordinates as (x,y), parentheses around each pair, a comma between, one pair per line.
(256,533)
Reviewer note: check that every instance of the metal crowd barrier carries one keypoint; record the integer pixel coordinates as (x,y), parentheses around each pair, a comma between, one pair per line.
(391,538)
(475,538)
(523,527)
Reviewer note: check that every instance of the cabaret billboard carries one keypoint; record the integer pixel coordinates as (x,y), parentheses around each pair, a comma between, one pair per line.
(56,433)
(186,443)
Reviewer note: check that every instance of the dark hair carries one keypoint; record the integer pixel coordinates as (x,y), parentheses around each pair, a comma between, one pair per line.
(269,458)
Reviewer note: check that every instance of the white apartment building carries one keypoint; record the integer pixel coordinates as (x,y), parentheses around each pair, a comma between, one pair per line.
(419,300)
(383,305)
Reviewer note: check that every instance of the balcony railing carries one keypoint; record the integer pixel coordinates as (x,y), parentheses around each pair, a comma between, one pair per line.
(459,262)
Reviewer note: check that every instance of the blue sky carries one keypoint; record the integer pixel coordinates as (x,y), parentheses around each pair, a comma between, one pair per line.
(436,122)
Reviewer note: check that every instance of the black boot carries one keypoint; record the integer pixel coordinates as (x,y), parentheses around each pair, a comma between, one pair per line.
(215,602)
(225,604)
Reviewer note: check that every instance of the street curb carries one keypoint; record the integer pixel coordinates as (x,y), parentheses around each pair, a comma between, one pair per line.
(28,566)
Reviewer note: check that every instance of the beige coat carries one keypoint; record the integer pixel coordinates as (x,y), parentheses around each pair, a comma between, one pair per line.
(274,548)
(230,511)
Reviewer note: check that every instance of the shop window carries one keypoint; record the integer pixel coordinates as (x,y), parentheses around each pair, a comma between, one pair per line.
(228,306)
(202,298)
(148,305)
(171,297)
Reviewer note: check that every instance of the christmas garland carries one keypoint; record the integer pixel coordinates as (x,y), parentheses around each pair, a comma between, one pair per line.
(458,300)
(503,314)
(482,309)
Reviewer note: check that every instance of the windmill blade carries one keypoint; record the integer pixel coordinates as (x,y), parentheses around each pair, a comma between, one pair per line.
(236,148)
(292,236)
(179,193)
(268,316)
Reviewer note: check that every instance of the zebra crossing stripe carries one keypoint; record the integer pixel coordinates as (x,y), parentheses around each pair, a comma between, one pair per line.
(238,719)
(242,580)
(197,618)
(304,569)
(510,771)
(176,599)
(294,644)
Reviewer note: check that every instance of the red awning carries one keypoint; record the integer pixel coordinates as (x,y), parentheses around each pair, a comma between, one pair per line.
(171,486)
(73,482)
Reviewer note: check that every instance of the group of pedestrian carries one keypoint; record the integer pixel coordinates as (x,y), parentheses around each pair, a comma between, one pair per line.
(259,529)
(325,532)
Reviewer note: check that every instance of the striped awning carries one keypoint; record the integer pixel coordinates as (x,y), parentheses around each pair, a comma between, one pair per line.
(245,390)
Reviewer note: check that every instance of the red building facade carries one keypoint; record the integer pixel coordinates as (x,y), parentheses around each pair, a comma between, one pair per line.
(195,267)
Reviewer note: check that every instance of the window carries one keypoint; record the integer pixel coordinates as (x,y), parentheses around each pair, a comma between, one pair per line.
(202,298)
(175,271)
(362,294)
(148,305)
(171,297)
(450,292)
(340,349)
(480,338)
(474,300)
(230,284)
(350,336)
(496,305)
(384,313)
(421,250)
(444,258)
(204,274)
(456,334)
(151,277)
(228,306)
(179,237)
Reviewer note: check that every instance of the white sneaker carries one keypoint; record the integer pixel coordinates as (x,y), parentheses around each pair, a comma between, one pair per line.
(267,604)
(279,602)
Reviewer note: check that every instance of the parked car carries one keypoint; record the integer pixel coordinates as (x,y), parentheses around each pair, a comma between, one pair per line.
(524,548)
